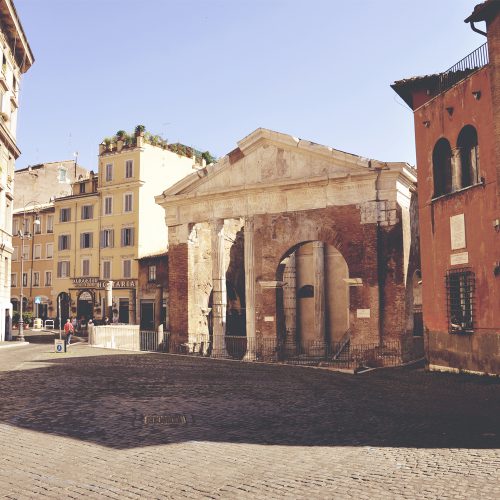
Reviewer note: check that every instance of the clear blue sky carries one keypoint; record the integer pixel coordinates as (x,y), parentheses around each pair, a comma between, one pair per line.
(209,72)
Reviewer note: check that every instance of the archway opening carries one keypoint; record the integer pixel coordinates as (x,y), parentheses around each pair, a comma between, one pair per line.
(313,301)
(469,158)
(85,305)
(441,167)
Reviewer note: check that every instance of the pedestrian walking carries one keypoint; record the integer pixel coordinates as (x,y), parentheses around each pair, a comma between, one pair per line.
(68,330)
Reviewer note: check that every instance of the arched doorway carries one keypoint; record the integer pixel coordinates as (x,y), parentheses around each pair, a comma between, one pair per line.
(85,305)
(313,301)
(63,303)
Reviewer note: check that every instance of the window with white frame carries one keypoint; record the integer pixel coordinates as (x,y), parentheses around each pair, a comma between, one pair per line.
(107,238)
(85,267)
(106,269)
(152,274)
(63,269)
(108,205)
(48,278)
(65,215)
(25,279)
(13,280)
(38,227)
(127,202)
(15,226)
(36,278)
(64,242)
(87,212)
(127,268)
(62,174)
(50,223)
(109,172)
(37,251)
(15,254)
(129,169)
(49,250)
(127,236)
(26,252)
(86,240)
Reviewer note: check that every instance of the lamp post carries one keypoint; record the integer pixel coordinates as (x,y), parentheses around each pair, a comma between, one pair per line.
(24,235)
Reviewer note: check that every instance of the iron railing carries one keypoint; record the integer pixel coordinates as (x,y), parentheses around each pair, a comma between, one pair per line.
(470,63)
(343,354)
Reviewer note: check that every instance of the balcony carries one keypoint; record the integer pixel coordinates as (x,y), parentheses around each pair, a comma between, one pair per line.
(463,68)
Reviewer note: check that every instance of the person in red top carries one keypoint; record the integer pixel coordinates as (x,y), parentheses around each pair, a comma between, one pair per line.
(68,330)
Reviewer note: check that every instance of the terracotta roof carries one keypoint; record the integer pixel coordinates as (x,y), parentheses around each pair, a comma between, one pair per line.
(484,11)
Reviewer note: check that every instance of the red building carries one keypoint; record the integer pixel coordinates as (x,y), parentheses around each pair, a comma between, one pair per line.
(457,132)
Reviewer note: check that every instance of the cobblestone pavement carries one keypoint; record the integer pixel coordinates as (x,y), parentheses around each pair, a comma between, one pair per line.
(108,424)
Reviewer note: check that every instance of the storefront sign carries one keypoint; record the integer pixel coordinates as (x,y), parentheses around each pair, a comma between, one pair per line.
(97,283)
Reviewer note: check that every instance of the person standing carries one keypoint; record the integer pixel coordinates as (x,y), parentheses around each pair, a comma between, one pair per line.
(68,330)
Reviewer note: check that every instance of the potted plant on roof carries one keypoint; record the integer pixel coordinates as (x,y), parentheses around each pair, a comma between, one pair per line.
(139,135)
(108,143)
(120,136)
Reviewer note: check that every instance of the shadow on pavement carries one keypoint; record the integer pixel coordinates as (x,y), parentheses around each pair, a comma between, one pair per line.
(128,400)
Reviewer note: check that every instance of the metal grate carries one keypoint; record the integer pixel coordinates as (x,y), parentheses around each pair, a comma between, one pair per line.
(460,287)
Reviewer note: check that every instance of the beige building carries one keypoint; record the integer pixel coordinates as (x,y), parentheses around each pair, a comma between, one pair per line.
(36,188)
(17,58)
(101,231)
(37,248)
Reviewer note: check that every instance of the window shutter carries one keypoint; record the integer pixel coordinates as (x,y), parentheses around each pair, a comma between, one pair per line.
(91,212)
(123,237)
(102,239)
(111,237)
(69,241)
(132,236)
(59,243)
(59,268)
(91,238)
(82,238)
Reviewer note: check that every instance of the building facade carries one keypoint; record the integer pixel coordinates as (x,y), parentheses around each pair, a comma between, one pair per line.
(17,58)
(36,248)
(102,230)
(457,132)
(287,240)
(152,291)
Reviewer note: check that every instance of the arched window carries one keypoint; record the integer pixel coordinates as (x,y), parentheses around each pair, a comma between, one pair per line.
(469,158)
(441,167)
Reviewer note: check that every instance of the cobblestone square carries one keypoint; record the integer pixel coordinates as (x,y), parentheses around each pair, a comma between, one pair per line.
(110,424)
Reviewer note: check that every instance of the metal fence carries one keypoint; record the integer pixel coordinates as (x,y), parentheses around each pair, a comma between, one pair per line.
(342,355)
(470,63)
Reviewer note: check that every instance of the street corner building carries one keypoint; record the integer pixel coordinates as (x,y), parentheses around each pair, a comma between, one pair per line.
(457,131)
(17,58)
(291,243)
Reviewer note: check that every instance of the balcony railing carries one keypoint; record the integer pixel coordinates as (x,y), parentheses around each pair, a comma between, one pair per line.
(474,61)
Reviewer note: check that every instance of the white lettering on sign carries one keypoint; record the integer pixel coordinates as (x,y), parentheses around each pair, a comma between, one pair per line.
(459,258)
(268,318)
(362,313)
(457,232)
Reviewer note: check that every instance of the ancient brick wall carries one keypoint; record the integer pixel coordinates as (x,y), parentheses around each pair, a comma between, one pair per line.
(178,290)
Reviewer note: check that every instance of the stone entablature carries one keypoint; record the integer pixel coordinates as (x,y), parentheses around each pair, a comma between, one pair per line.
(311,177)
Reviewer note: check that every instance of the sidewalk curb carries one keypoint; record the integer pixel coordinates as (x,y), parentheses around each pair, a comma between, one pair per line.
(14,344)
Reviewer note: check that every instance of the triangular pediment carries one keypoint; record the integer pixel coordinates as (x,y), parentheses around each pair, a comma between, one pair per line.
(271,158)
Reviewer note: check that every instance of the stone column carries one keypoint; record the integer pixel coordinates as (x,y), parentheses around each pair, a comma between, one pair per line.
(249,290)
(132,318)
(290,303)
(319,290)
(456,169)
(158,305)
(219,297)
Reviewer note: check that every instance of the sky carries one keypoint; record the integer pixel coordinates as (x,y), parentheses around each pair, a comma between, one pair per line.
(209,72)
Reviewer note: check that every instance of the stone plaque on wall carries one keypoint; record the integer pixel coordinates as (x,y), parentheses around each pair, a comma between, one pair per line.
(457,232)
(362,313)
(459,258)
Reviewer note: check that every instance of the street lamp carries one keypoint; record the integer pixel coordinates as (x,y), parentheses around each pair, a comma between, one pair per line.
(24,235)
